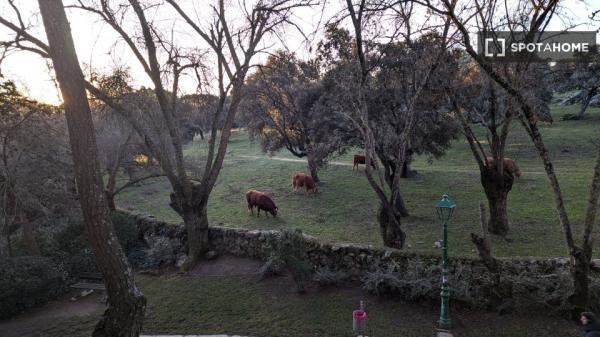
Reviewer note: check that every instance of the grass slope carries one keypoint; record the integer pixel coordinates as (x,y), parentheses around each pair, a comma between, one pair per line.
(345,210)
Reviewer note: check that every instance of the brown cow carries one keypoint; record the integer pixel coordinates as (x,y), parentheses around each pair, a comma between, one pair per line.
(360,159)
(297,181)
(509,166)
(300,179)
(261,201)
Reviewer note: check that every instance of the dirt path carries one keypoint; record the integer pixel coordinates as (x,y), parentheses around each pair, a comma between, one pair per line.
(34,320)
(339,163)
(293,160)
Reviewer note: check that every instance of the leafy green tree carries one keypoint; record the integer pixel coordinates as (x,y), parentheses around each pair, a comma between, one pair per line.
(36,174)
(392,93)
(283,108)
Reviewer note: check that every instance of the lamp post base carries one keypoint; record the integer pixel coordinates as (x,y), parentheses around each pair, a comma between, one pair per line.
(443,333)
(444,324)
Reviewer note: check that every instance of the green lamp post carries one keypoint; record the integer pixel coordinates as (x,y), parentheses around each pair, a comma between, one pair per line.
(445,210)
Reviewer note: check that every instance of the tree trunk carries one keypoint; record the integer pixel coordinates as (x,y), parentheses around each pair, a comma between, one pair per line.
(110,200)
(314,173)
(8,214)
(400,205)
(196,223)
(125,312)
(29,237)
(585,103)
(582,257)
(407,171)
(391,232)
(109,192)
(581,294)
(312,165)
(195,218)
(5,244)
(397,199)
(498,223)
(499,293)
(496,189)
(130,170)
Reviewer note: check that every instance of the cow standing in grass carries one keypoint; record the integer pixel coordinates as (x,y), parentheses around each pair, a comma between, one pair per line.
(261,201)
(360,159)
(300,179)
(508,165)
(297,181)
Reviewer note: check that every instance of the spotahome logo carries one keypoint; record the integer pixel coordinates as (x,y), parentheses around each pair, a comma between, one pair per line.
(505,46)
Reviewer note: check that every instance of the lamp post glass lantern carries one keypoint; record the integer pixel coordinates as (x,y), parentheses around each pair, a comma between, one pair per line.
(445,211)
(445,208)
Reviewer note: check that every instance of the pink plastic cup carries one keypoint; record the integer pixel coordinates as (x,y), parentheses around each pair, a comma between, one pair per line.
(359,320)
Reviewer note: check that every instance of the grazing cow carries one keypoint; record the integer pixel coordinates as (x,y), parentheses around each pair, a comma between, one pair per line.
(261,201)
(509,166)
(300,179)
(360,159)
(297,180)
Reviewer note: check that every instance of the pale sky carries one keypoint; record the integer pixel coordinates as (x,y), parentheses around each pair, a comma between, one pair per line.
(96,43)
(99,46)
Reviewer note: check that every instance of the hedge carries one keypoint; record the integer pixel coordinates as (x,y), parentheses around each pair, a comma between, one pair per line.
(26,281)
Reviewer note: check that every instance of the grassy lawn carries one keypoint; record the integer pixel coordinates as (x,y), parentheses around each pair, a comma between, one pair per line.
(269,308)
(345,210)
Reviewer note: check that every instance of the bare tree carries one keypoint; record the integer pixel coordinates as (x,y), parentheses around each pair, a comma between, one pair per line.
(366,60)
(478,99)
(234,50)
(283,109)
(119,148)
(532,17)
(127,304)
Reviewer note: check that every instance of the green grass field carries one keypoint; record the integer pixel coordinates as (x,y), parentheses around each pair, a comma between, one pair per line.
(345,210)
(242,305)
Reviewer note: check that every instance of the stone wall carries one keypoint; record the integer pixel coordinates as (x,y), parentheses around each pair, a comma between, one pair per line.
(524,281)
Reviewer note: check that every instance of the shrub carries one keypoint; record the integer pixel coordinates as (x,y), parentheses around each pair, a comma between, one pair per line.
(328,277)
(288,252)
(382,281)
(127,231)
(272,267)
(160,252)
(137,258)
(413,283)
(595,293)
(27,281)
(69,238)
(552,291)
(81,262)
(67,244)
